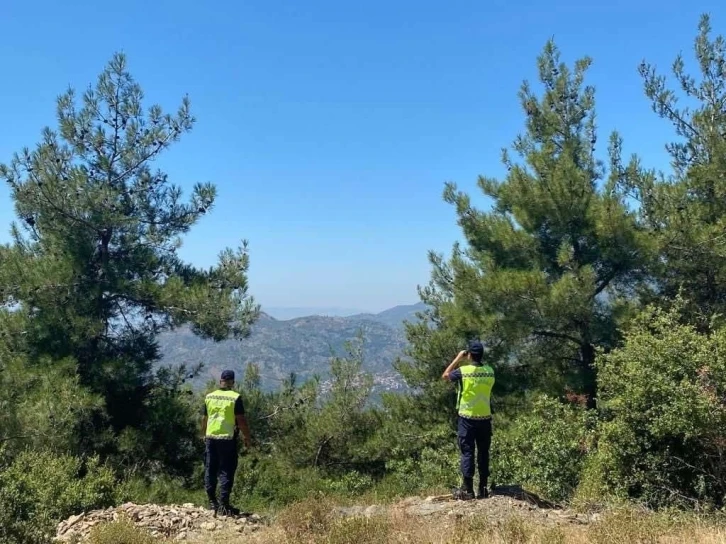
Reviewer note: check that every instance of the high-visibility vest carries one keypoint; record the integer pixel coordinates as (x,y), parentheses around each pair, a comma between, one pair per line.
(220,413)
(474,400)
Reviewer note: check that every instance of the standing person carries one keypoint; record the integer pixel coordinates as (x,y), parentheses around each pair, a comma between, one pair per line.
(475,380)
(224,417)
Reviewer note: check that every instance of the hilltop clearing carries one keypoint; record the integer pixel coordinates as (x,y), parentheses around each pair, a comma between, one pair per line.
(505,517)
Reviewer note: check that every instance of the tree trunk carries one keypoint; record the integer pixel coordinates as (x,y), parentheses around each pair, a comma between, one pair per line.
(589,376)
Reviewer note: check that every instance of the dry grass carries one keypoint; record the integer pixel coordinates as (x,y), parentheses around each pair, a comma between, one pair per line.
(119,532)
(311,522)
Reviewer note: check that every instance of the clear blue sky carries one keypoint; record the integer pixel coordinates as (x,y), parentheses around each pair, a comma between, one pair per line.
(330,127)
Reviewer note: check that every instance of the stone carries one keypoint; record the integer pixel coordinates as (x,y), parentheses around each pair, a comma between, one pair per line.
(168,522)
(73,520)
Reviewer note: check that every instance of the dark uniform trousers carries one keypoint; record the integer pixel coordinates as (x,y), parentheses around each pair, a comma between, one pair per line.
(475,434)
(220,457)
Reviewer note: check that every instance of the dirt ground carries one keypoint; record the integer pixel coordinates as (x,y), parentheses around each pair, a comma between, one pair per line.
(505,518)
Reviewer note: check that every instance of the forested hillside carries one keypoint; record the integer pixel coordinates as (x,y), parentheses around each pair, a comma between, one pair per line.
(596,281)
(302,346)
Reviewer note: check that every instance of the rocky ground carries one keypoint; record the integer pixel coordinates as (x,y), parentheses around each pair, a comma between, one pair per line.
(195,524)
(172,522)
(504,504)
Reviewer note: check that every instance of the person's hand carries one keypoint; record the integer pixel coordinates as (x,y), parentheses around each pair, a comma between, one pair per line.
(460,357)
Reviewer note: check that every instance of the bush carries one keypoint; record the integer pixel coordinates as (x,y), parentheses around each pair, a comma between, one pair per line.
(662,435)
(160,490)
(349,484)
(432,468)
(265,481)
(39,489)
(543,450)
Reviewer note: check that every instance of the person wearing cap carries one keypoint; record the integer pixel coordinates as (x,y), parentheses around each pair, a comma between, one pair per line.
(475,380)
(223,418)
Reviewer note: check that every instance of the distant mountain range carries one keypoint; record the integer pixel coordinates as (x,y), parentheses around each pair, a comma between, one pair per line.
(301,345)
(285,314)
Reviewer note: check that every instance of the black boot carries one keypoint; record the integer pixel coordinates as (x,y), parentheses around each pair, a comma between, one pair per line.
(228,510)
(213,504)
(466,492)
(483,491)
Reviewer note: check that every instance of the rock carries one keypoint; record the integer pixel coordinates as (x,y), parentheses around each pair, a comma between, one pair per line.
(426,509)
(372,511)
(173,522)
(73,520)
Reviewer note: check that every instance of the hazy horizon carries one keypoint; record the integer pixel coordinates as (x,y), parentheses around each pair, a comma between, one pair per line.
(283,313)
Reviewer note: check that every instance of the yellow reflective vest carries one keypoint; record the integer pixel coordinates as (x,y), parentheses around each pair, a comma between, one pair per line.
(477,382)
(220,413)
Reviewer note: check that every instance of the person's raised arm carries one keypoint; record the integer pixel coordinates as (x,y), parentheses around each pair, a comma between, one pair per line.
(454,364)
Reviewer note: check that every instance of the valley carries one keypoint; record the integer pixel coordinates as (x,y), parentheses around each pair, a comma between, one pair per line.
(303,346)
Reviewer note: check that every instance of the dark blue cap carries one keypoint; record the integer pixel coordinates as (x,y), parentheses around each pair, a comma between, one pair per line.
(228,375)
(476,347)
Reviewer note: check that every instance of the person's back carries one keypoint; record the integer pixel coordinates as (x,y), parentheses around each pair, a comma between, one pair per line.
(223,418)
(220,409)
(476,381)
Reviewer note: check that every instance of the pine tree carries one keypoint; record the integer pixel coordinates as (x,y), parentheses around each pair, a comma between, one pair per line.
(94,262)
(541,274)
(686,210)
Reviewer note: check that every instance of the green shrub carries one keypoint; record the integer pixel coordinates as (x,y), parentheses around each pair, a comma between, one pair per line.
(543,449)
(349,484)
(160,490)
(39,489)
(663,426)
(432,467)
(270,481)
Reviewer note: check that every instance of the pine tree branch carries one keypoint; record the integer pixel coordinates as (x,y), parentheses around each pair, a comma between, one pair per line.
(15,437)
(281,408)
(320,449)
(560,335)
(114,155)
(60,210)
(161,145)
(604,282)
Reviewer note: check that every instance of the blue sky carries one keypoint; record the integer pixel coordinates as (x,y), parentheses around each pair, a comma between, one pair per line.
(331,127)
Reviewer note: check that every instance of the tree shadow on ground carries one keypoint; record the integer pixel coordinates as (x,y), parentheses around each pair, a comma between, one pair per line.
(519,493)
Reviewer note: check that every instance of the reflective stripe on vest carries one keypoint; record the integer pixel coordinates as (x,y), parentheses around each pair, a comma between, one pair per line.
(475,394)
(220,413)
